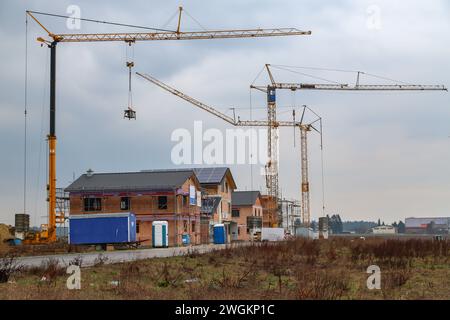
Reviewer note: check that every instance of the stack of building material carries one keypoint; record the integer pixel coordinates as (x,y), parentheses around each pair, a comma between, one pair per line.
(5,233)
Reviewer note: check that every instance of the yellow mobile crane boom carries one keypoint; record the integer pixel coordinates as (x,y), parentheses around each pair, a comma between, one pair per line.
(156,35)
(271,107)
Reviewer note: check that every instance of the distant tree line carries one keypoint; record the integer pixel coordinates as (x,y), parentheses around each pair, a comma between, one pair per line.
(337,226)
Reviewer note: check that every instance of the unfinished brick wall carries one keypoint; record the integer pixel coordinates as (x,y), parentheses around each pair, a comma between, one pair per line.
(179,214)
(245,211)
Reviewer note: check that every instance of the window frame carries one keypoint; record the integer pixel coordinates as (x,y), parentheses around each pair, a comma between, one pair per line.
(95,205)
(162,206)
(128,203)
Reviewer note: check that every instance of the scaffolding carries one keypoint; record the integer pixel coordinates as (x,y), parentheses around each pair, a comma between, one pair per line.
(62,212)
(291,214)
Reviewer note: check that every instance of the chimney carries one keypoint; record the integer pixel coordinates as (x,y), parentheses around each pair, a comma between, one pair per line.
(89,172)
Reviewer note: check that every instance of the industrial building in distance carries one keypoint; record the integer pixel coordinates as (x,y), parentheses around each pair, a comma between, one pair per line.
(436,225)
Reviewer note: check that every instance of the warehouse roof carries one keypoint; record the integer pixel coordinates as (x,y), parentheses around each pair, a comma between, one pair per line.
(244,198)
(144,180)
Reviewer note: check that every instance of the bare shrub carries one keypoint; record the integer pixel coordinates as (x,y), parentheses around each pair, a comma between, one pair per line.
(395,278)
(8,267)
(235,281)
(321,284)
(129,284)
(192,253)
(100,260)
(49,270)
(169,276)
(77,261)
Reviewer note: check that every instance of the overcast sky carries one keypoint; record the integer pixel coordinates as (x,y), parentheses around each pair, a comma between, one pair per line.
(386,155)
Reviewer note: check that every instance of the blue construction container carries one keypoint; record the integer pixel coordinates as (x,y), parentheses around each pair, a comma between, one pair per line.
(220,236)
(102,228)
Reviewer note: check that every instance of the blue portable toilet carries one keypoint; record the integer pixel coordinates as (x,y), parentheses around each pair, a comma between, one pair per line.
(220,236)
(186,239)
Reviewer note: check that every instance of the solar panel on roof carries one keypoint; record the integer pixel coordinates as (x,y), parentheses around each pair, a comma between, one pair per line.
(210,175)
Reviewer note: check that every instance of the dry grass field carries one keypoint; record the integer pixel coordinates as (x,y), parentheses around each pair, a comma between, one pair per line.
(296,269)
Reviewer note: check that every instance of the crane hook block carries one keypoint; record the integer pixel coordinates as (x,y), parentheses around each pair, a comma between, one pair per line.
(129,114)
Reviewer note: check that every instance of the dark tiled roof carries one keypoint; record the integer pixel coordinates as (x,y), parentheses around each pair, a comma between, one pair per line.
(244,198)
(208,175)
(144,180)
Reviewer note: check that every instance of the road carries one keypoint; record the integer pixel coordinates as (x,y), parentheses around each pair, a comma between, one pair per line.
(91,258)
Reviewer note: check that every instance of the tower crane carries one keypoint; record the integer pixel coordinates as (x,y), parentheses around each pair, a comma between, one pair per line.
(271,116)
(270,123)
(53,39)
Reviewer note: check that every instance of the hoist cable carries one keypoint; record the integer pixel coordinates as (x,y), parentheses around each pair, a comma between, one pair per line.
(322,167)
(41,134)
(257,76)
(99,21)
(339,70)
(195,20)
(170,19)
(25,118)
(307,75)
(251,141)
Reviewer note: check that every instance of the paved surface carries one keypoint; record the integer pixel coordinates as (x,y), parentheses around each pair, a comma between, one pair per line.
(89,259)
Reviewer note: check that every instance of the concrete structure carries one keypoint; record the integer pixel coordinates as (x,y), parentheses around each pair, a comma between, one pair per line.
(290,214)
(164,195)
(384,230)
(435,225)
(247,214)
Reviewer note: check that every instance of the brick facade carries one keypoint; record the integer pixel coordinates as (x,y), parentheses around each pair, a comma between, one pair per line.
(182,217)
(245,211)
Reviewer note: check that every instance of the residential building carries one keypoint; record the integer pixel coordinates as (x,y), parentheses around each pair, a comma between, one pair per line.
(246,213)
(153,195)
(217,185)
